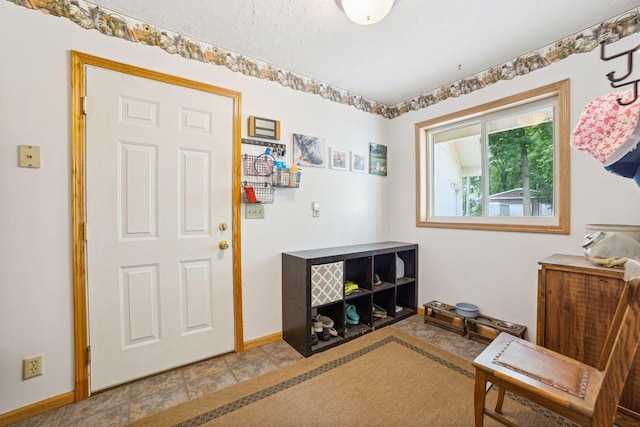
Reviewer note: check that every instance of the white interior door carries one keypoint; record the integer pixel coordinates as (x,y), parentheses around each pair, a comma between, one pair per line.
(159,184)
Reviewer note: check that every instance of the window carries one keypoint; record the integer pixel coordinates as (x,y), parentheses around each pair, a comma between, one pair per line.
(500,166)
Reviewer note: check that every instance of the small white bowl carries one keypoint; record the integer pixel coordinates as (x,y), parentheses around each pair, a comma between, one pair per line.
(466,309)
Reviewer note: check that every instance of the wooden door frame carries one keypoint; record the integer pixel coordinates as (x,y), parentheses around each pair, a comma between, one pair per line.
(78,203)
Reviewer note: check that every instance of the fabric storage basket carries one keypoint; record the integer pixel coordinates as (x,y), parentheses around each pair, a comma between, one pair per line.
(326,283)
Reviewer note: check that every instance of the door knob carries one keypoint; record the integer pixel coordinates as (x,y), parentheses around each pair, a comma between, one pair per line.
(223,226)
(223,244)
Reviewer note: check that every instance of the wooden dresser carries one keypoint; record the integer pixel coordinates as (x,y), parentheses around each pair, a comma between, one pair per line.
(576,303)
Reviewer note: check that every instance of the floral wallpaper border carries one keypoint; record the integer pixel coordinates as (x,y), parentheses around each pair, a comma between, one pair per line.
(90,16)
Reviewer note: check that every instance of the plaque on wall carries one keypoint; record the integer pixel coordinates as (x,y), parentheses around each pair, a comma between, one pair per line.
(264,128)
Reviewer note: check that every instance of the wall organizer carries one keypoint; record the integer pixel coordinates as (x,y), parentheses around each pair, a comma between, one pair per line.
(277,148)
(256,190)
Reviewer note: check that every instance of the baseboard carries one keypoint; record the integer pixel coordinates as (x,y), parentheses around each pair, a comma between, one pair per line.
(36,408)
(262,341)
(421,311)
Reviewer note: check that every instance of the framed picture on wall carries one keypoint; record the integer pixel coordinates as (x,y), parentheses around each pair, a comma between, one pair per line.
(358,162)
(309,151)
(377,159)
(338,159)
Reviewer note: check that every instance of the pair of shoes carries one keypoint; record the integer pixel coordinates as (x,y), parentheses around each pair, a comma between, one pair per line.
(326,321)
(314,337)
(350,288)
(351,315)
(379,312)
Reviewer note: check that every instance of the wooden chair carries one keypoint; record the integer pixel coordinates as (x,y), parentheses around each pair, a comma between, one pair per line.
(584,394)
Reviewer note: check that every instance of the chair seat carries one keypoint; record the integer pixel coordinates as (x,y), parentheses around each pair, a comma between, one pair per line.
(540,374)
(561,374)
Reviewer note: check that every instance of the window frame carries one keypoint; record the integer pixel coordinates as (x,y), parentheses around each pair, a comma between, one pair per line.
(559,223)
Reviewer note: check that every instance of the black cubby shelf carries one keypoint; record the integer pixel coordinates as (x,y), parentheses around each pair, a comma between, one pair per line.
(313,283)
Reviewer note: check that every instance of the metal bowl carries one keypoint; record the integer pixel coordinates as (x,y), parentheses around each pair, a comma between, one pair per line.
(466,309)
(506,325)
(438,304)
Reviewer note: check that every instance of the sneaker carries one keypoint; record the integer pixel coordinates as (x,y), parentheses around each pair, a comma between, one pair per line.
(325,335)
(317,324)
(314,337)
(350,288)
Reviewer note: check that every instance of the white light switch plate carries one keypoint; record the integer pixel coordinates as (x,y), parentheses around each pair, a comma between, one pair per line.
(29,156)
(254,211)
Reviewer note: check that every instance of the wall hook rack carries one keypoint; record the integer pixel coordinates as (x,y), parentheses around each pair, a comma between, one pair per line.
(614,81)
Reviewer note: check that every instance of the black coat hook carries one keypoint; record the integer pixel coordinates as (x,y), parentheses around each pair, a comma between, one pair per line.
(611,76)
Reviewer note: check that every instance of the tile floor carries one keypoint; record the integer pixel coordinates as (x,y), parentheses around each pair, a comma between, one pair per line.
(129,402)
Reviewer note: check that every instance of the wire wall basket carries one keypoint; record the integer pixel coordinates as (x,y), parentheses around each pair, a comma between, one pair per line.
(261,165)
(286,177)
(257,192)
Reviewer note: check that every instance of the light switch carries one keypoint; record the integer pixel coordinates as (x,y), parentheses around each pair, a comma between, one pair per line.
(254,211)
(315,209)
(29,156)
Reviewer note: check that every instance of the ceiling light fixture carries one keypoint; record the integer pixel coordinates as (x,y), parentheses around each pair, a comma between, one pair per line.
(366,12)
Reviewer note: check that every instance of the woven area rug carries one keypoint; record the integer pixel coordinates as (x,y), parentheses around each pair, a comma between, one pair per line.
(383,378)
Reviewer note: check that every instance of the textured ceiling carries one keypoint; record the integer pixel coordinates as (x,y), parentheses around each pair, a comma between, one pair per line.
(421,45)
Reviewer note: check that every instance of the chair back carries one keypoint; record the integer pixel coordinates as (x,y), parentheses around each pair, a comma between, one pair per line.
(618,353)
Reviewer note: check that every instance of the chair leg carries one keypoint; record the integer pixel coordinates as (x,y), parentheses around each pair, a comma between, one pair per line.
(479,397)
(500,400)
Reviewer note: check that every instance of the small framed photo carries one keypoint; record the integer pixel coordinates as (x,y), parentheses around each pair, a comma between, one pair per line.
(377,159)
(338,159)
(358,162)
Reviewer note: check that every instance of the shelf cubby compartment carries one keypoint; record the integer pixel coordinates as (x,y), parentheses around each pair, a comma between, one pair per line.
(358,271)
(386,301)
(384,265)
(406,295)
(409,260)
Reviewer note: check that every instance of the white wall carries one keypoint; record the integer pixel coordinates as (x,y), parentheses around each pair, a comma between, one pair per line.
(35,237)
(498,270)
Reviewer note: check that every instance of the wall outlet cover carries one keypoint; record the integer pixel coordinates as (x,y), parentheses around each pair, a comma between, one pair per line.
(32,367)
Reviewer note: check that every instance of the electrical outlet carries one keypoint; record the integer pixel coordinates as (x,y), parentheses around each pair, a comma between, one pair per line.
(254,211)
(32,367)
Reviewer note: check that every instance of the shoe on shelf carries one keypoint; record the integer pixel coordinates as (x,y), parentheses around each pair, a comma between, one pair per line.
(350,288)
(314,337)
(325,335)
(317,324)
(376,280)
(332,332)
(351,315)
(379,312)
(326,321)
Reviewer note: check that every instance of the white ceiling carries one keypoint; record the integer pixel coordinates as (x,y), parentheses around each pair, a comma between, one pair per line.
(420,46)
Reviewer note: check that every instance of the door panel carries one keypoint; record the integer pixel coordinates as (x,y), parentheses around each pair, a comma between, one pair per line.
(159,176)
